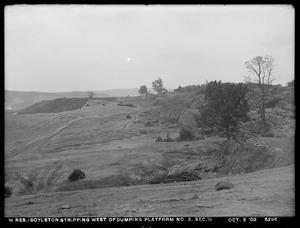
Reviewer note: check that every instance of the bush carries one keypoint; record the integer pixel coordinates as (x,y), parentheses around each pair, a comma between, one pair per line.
(179,177)
(77,174)
(159,139)
(7,192)
(186,134)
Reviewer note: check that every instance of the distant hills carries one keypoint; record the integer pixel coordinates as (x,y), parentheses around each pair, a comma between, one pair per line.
(20,99)
(120,92)
(126,92)
(16,100)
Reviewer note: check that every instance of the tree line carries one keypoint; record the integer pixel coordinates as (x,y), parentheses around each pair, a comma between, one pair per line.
(227,103)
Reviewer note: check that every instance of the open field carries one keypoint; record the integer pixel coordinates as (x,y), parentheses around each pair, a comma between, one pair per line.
(120,158)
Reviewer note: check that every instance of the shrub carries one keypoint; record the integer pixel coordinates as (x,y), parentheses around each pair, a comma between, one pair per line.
(130,105)
(186,134)
(7,192)
(77,174)
(159,139)
(179,177)
(128,116)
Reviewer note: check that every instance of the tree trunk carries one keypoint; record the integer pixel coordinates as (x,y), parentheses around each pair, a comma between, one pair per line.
(263,115)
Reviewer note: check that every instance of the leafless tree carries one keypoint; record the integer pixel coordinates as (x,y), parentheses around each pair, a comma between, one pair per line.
(260,78)
(91,94)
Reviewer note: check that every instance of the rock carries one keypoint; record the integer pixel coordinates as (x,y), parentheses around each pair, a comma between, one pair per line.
(65,207)
(223,185)
(286,106)
(143,132)
(195,196)
(148,124)
(245,157)
(30,202)
(188,119)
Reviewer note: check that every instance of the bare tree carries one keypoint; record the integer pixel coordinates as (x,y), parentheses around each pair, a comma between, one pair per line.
(260,78)
(91,94)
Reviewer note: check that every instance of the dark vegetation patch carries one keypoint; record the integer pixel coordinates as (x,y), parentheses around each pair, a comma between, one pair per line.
(128,105)
(186,134)
(106,182)
(178,177)
(7,191)
(55,106)
(77,174)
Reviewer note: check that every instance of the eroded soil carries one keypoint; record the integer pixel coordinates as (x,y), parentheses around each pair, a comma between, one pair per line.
(119,156)
(263,193)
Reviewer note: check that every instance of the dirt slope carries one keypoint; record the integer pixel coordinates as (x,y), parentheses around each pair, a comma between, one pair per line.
(263,193)
(42,149)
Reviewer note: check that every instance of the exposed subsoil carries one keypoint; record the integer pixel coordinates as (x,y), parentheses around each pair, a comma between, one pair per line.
(128,173)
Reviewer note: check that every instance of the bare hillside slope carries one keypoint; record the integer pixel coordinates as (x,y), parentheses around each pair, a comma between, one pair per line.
(129,172)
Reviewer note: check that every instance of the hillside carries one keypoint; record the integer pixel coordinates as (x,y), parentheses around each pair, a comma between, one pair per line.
(135,165)
(57,105)
(21,99)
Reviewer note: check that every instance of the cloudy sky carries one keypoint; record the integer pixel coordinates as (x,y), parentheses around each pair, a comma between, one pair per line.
(55,48)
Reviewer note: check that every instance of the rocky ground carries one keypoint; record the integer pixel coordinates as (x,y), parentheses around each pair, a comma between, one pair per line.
(129,173)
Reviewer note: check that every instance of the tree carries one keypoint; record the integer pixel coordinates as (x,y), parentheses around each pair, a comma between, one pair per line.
(91,94)
(226,106)
(260,78)
(143,90)
(179,89)
(158,86)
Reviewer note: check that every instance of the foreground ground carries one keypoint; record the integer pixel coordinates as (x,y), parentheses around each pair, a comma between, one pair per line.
(263,193)
(120,157)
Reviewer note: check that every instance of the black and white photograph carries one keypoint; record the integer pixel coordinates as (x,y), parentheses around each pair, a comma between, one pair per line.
(140,112)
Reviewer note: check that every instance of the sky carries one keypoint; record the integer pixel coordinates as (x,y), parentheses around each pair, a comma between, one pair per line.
(59,48)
